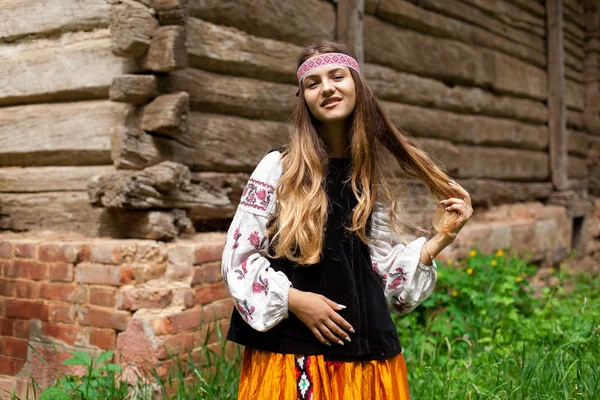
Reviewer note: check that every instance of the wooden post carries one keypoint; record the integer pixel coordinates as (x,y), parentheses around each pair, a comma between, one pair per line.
(557,109)
(591,67)
(349,30)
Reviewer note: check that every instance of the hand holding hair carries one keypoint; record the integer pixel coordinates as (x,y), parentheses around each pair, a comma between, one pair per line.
(319,314)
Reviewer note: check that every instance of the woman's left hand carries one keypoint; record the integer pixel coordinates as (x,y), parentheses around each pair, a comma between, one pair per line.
(462,206)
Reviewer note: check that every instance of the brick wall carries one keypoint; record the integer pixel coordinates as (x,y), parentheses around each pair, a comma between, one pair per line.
(144,299)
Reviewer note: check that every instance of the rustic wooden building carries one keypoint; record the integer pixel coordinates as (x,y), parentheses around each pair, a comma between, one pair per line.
(127,126)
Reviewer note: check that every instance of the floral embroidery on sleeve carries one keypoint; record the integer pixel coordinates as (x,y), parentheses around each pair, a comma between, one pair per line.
(245,310)
(236,236)
(261,286)
(257,194)
(399,278)
(242,271)
(256,241)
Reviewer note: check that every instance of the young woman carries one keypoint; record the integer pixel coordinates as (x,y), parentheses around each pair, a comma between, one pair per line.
(313,258)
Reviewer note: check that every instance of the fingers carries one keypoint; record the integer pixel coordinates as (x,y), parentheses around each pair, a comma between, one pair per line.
(330,335)
(341,322)
(460,190)
(333,304)
(320,337)
(338,332)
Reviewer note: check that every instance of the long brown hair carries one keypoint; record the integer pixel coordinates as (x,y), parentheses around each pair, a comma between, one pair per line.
(297,226)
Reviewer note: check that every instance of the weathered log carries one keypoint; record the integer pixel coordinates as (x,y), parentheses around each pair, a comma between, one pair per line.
(503,163)
(163,186)
(231,184)
(574,49)
(574,95)
(574,30)
(132,26)
(575,120)
(43,16)
(48,179)
(578,143)
(577,167)
(58,211)
(44,70)
(59,133)
(468,13)
(407,15)
(349,25)
(561,95)
(211,144)
(534,7)
(140,224)
(210,92)
(301,23)
(167,50)
(402,87)
(512,15)
(574,6)
(573,75)
(167,114)
(133,89)
(470,129)
(171,12)
(220,48)
(488,192)
(451,61)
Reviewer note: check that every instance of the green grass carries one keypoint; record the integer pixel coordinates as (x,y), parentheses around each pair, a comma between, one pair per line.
(483,334)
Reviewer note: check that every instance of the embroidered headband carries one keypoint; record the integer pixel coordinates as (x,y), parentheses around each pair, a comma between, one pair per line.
(321,61)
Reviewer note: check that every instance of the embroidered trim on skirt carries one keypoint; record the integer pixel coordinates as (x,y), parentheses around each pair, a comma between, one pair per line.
(273,376)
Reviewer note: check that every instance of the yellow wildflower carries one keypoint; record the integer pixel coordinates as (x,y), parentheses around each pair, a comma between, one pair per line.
(519,279)
(552,270)
(494,263)
(472,253)
(449,262)
(454,293)
(470,271)
(499,253)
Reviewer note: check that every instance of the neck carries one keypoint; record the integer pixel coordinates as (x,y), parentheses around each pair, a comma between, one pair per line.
(334,134)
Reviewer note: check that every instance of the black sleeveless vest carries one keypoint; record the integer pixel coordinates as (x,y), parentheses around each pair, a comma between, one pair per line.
(344,275)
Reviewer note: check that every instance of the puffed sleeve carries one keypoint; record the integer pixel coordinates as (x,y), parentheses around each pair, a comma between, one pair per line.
(408,282)
(260,294)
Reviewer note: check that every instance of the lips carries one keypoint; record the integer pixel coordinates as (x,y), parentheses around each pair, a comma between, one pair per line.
(330,100)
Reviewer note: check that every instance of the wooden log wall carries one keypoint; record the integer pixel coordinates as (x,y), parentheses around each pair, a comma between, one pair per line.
(188,82)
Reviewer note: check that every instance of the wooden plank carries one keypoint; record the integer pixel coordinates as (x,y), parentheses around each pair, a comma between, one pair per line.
(451,61)
(30,17)
(245,97)
(299,22)
(578,143)
(407,15)
(73,66)
(132,25)
(212,143)
(468,129)
(487,192)
(574,94)
(229,50)
(48,179)
(59,133)
(402,87)
(467,12)
(349,26)
(512,15)
(557,104)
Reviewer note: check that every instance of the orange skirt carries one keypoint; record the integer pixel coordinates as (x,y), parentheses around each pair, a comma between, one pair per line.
(274,376)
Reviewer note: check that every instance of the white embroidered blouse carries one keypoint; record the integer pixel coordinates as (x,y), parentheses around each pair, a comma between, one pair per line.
(260,293)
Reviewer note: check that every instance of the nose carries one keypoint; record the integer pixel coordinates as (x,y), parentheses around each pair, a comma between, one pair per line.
(327,86)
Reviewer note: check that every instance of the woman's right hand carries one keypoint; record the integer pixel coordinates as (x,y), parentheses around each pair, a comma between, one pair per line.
(320,315)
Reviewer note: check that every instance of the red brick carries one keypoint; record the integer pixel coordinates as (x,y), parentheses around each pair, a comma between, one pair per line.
(68,292)
(26,289)
(127,275)
(27,269)
(7,287)
(206,252)
(133,298)
(21,328)
(61,313)
(6,326)
(98,274)
(10,366)
(58,252)
(104,318)
(210,292)
(6,250)
(26,309)
(70,334)
(25,250)
(60,271)
(176,344)
(103,296)
(208,273)
(103,338)
(185,320)
(14,347)
(112,253)
(218,310)
(161,326)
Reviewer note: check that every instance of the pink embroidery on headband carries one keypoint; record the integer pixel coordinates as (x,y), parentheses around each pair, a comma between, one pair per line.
(322,60)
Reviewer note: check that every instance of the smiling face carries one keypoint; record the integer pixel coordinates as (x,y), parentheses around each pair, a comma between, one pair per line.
(330,93)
